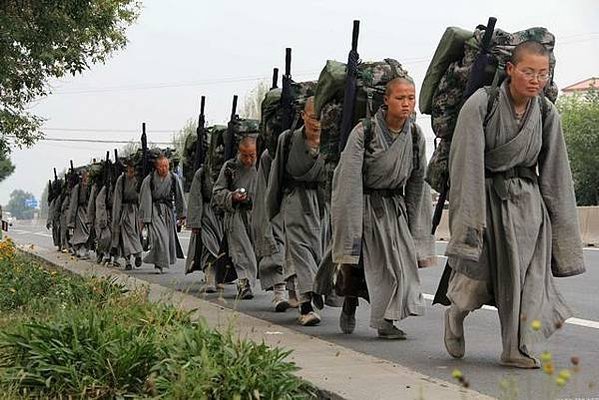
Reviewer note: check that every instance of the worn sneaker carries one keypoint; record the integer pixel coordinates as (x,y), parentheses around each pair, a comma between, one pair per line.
(280,301)
(137,261)
(309,319)
(293,301)
(391,332)
(245,293)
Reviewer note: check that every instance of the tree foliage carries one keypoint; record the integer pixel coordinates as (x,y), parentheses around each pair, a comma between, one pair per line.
(17,204)
(252,103)
(580,121)
(6,166)
(41,40)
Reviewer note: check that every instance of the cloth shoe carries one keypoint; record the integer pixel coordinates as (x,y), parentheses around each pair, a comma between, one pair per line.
(390,332)
(454,333)
(309,319)
(279,299)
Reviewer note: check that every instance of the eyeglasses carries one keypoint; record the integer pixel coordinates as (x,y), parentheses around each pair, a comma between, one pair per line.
(530,75)
(310,116)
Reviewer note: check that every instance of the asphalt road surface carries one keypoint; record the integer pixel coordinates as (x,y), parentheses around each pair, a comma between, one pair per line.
(423,351)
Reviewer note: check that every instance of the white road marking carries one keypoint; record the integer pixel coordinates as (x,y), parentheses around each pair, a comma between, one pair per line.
(590,248)
(42,234)
(18,231)
(572,321)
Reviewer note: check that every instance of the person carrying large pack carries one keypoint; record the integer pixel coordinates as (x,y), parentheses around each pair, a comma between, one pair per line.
(281,107)
(347,98)
(465,61)
(234,194)
(346,94)
(512,212)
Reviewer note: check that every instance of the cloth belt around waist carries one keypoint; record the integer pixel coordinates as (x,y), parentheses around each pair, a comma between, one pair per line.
(291,184)
(499,178)
(167,202)
(376,198)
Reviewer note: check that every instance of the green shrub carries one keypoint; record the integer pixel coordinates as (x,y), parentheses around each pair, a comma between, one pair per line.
(86,338)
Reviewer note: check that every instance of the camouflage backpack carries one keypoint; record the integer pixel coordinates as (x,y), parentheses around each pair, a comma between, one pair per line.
(152,156)
(216,152)
(215,158)
(446,80)
(328,102)
(189,156)
(272,112)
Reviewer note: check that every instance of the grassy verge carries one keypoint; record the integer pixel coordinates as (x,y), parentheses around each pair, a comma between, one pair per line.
(63,336)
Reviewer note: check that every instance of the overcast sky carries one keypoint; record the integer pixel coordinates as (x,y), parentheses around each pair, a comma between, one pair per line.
(180,50)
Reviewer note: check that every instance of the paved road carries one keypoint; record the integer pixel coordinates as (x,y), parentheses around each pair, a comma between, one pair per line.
(424,351)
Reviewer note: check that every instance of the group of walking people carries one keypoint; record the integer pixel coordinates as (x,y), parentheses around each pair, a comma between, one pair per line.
(268,218)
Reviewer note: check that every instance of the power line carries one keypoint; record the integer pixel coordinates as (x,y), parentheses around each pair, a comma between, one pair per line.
(178,84)
(111,130)
(55,139)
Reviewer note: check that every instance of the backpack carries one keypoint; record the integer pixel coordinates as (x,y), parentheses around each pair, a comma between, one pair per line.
(442,94)
(239,128)
(152,156)
(372,80)
(215,158)
(189,155)
(216,152)
(272,112)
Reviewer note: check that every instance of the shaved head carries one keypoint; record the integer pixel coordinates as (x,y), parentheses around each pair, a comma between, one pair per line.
(398,81)
(309,106)
(530,47)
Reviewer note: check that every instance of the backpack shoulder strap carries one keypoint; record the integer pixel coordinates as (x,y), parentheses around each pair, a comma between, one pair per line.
(229,171)
(493,96)
(286,148)
(415,147)
(544,108)
(173,186)
(368,132)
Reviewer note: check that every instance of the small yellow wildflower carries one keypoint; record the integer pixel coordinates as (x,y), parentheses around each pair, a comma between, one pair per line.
(457,374)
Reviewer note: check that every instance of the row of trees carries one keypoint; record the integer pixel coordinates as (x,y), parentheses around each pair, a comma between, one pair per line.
(580,121)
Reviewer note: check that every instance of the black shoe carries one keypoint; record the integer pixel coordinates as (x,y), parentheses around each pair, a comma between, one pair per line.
(128,267)
(137,261)
(317,301)
(347,319)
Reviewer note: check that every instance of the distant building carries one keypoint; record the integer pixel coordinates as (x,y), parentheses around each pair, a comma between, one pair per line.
(581,87)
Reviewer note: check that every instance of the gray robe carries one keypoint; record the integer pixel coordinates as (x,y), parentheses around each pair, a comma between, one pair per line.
(390,233)
(237,220)
(157,211)
(125,217)
(77,215)
(512,233)
(296,191)
(269,236)
(54,220)
(102,222)
(91,213)
(201,215)
(65,201)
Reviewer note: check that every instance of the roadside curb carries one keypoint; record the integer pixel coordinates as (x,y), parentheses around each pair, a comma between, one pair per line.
(339,373)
